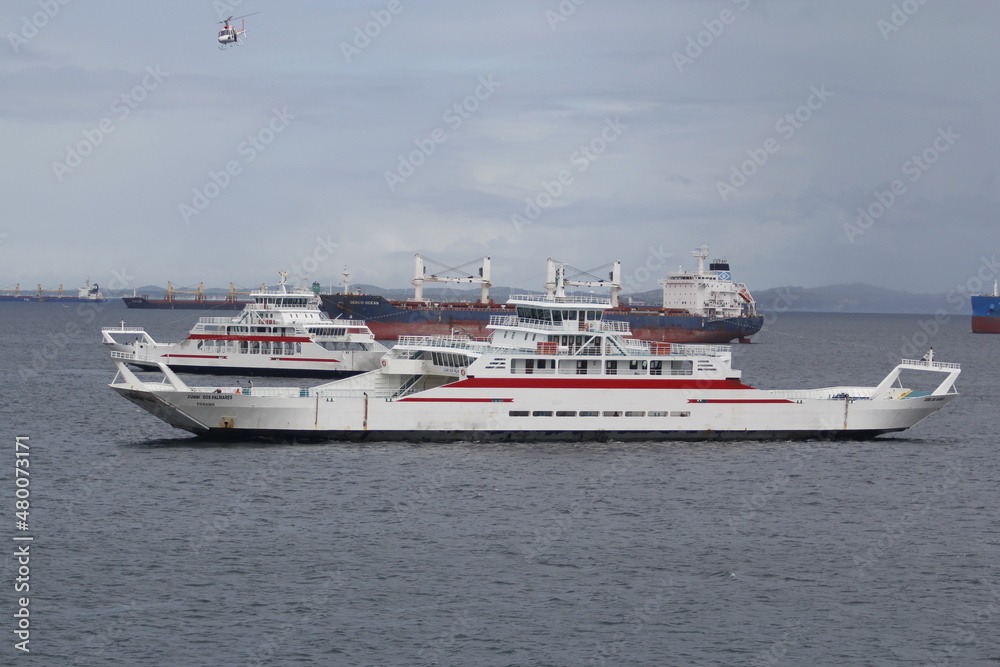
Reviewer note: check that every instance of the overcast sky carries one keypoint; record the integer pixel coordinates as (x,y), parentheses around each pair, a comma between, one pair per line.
(359,133)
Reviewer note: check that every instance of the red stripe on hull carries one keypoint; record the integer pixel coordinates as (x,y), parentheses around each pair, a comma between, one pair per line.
(739,400)
(595,383)
(270,339)
(193,356)
(457,400)
(982,324)
(393,330)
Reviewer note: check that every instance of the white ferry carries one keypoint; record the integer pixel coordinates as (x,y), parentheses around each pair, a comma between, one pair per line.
(553,369)
(280,332)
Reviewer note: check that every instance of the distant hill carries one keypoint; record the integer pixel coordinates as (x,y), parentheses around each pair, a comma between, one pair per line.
(849,298)
(853,298)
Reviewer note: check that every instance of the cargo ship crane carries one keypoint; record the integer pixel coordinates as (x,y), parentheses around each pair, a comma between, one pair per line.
(420,277)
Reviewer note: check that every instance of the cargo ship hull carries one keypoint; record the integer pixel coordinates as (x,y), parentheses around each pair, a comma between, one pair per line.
(51,299)
(389,320)
(183,304)
(986,314)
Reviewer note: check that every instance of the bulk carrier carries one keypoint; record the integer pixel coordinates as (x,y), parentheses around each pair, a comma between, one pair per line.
(704,306)
(86,294)
(197,300)
(986,312)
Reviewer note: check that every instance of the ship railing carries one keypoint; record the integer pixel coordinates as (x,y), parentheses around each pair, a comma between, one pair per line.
(303,392)
(658,349)
(120,329)
(134,356)
(214,320)
(569,326)
(827,393)
(940,365)
(444,341)
(558,299)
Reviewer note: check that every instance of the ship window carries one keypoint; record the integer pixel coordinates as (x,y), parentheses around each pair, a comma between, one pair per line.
(518,413)
(685,413)
(589,413)
(541,413)
(612,413)
(556,316)
(611,367)
(655,413)
(566,413)
(682,367)
(635,413)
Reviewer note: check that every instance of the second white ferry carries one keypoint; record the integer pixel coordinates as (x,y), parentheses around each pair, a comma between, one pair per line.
(281,332)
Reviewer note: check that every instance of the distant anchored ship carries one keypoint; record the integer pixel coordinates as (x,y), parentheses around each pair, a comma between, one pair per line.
(193,300)
(86,294)
(986,312)
(697,307)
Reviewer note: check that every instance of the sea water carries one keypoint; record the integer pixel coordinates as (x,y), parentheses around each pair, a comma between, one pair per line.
(151,547)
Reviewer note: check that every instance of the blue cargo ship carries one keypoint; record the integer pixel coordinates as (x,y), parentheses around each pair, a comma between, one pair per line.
(986,312)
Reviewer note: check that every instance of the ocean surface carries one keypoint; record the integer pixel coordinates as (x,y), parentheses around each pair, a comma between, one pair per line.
(151,547)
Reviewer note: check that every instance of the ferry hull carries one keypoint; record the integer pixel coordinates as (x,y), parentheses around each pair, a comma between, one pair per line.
(484,415)
(253,371)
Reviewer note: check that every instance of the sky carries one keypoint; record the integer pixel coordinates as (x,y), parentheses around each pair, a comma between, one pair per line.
(809,143)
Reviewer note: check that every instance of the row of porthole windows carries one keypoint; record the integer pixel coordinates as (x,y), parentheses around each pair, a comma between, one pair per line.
(598,413)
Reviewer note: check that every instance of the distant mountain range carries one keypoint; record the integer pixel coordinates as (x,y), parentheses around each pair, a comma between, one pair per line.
(849,298)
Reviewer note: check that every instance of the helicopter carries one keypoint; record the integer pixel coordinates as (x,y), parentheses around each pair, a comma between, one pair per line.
(230,35)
